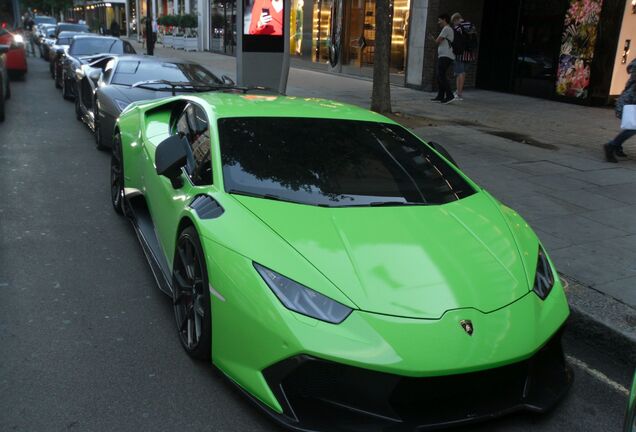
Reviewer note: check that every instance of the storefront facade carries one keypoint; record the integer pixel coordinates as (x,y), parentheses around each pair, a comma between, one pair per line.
(99,15)
(568,50)
(320,27)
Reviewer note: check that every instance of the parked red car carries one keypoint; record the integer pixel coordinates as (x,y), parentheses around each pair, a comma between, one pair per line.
(16,57)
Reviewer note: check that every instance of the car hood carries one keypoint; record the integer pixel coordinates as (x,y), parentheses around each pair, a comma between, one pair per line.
(415,261)
(135,94)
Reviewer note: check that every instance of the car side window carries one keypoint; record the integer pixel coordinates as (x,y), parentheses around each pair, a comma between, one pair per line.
(128,49)
(193,124)
(108,71)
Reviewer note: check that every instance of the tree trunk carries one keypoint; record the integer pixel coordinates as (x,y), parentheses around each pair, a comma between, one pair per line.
(381,96)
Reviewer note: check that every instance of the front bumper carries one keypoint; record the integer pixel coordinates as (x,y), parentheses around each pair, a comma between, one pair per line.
(321,395)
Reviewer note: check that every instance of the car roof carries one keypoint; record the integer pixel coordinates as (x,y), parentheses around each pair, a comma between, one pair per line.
(153,59)
(224,104)
(68,34)
(94,36)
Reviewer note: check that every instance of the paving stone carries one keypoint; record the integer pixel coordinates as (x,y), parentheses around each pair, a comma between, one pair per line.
(535,206)
(625,192)
(579,163)
(586,199)
(541,168)
(606,177)
(594,263)
(576,229)
(558,182)
(622,289)
(623,218)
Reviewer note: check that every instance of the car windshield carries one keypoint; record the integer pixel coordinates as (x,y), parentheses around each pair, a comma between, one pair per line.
(131,72)
(63,41)
(72,27)
(334,163)
(44,19)
(97,45)
(49,32)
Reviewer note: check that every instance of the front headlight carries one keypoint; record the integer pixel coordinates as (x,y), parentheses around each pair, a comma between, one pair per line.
(121,104)
(18,39)
(544,278)
(303,300)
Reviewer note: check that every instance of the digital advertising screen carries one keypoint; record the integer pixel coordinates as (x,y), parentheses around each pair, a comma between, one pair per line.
(263,25)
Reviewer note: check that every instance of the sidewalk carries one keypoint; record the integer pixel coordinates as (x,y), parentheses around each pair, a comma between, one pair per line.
(540,157)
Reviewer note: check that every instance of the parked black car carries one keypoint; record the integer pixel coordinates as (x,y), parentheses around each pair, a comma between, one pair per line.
(82,51)
(47,40)
(59,47)
(64,26)
(5,90)
(108,85)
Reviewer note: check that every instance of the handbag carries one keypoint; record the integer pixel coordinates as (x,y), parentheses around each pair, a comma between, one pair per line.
(628,120)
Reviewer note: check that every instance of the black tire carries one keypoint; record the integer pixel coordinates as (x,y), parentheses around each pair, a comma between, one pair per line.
(56,78)
(8,95)
(17,75)
(117,176)
(78,113)
(191,298)
(66,91)
(2,115)
(99,143)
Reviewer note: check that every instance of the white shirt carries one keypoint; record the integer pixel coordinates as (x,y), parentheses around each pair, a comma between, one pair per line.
(444,49)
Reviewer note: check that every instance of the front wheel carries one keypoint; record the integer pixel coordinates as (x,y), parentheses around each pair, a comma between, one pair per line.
(1,100)
(99,143)
(66,91)
(191,298)
(117,176)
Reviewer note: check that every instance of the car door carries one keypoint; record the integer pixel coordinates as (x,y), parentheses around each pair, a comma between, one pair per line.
(165,202)
(88,86)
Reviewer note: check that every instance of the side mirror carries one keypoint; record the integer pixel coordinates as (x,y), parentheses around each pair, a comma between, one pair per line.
(172,155)
(59,51)
(227,80)
(4,49)
(441,150)
(95,75)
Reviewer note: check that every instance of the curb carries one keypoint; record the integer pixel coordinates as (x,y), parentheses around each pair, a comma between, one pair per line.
(601,321)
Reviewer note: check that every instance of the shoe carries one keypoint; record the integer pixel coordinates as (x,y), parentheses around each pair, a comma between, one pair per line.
(437,99)
(609,153)
(449,100)
(619,152)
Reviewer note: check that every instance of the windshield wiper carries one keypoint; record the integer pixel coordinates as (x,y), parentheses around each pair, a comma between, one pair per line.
(255,195)
(184,85)
(393,203)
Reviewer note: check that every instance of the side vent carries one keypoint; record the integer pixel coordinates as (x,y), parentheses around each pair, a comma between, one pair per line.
(206,207)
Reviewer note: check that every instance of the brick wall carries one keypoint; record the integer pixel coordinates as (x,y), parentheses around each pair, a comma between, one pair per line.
(471,10)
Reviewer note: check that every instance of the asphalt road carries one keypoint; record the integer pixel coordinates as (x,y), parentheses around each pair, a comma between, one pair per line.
(88,342)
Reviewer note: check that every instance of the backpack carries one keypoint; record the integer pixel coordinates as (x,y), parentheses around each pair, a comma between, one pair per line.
(465,41)
(459,41)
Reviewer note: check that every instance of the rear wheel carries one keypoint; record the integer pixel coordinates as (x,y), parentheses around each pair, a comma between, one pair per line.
(66,89)
(191,297)
(78,113)
(56,77)
(117,175)
(8,95)
(1,100)
(98,131)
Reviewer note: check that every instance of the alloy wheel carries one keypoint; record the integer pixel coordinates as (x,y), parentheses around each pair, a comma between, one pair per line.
(190,297)
(117,176)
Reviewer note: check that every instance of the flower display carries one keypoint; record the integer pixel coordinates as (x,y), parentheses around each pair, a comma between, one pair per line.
(577,47)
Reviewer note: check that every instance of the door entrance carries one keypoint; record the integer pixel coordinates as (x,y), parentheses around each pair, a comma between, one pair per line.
(519,46)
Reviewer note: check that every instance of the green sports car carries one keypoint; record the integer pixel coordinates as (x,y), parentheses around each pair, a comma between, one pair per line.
(341,272)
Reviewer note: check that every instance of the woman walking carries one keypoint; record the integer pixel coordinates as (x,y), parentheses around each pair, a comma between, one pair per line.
(628,97)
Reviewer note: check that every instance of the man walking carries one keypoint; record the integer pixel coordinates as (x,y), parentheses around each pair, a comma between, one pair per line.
(628,97)
(445,59)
